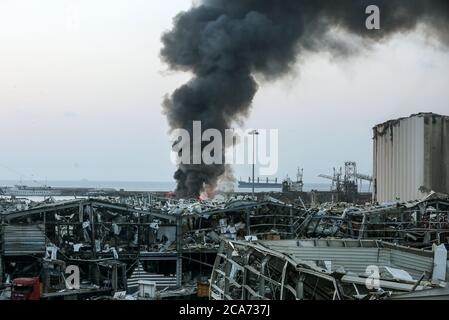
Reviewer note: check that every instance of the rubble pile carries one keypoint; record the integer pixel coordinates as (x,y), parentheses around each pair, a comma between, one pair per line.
(166,247)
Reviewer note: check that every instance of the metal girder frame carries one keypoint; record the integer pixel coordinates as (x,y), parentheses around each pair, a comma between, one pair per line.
(38,210)
(208,214)
(293,215)
(214,271)
(179,237)
(172,218)
(76,204)
(390,229)
(228,246)
(88,206)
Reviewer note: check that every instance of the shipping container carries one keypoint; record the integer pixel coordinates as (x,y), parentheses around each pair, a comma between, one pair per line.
(411,157)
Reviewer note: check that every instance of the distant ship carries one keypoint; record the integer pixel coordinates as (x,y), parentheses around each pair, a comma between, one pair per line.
(286,185)
(25,191)
(46,191)
(264,184)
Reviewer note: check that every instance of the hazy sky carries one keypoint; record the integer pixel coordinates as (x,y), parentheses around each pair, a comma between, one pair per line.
(81,85)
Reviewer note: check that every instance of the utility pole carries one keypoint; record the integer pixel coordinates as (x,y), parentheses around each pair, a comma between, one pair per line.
(254,133)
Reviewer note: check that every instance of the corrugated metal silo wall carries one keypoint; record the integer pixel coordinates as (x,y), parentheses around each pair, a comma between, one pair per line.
(436,169)
(399,160)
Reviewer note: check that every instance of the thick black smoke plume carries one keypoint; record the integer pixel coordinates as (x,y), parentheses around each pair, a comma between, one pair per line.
(225,42)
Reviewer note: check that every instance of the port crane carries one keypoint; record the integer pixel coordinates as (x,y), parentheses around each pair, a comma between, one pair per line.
(336,179)
(351,179)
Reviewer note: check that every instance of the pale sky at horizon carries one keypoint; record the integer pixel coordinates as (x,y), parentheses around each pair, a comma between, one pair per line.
(81,86)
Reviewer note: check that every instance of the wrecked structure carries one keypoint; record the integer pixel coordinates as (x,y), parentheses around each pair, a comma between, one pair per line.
(327,270)
(120,243)
(100,237)
(415,223)
(344,251)
(152,247)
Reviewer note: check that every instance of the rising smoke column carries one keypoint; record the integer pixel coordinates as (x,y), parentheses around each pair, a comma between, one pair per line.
(224,43)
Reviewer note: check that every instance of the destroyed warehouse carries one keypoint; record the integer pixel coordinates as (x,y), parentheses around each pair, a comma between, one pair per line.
(118,243)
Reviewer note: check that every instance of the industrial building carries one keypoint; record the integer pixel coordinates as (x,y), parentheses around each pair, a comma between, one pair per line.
(411,157)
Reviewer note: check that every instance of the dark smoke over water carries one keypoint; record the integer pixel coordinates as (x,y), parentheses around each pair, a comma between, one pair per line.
(225,42)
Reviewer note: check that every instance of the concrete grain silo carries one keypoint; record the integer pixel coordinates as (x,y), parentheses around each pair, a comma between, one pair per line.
(411,157)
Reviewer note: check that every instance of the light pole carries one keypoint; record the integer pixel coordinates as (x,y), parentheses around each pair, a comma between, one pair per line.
(254,133)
